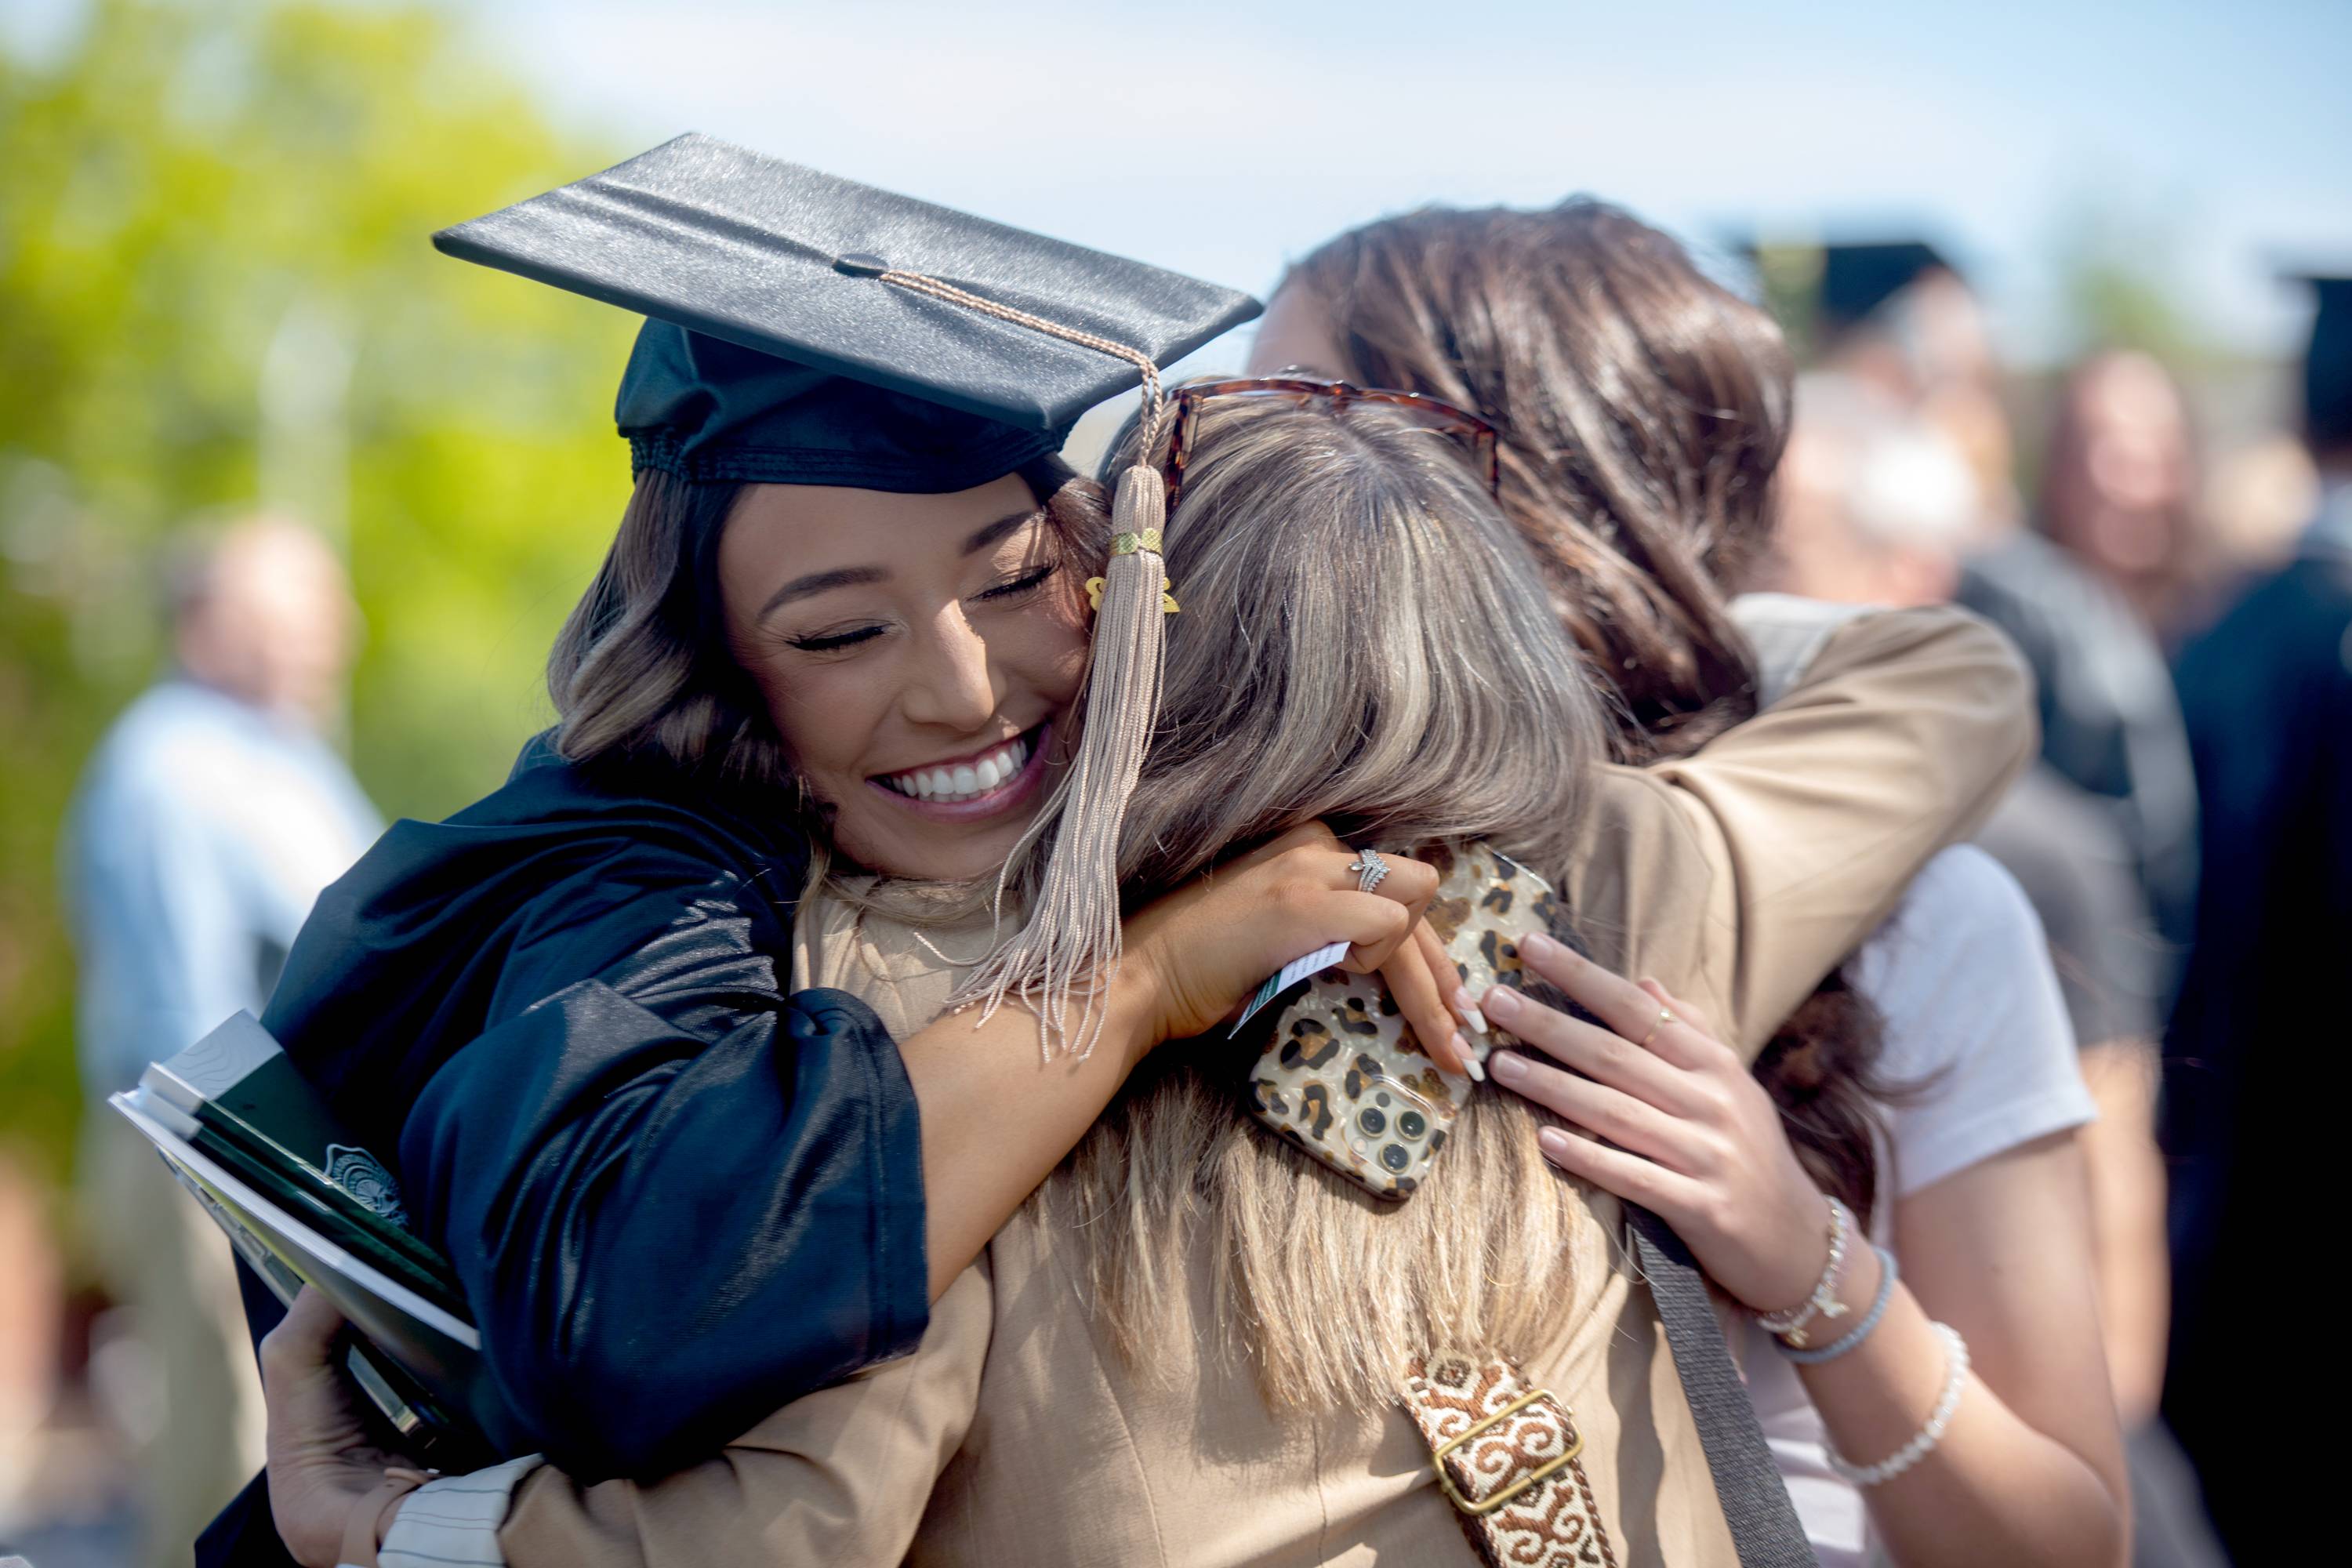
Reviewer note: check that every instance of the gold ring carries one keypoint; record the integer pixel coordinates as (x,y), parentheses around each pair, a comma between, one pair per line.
(1666,1016)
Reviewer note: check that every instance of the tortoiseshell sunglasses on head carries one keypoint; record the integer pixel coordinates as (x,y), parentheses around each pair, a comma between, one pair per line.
(1474,434)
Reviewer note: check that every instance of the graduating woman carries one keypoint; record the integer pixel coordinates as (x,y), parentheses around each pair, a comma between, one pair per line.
(678,1191)
(1906,727)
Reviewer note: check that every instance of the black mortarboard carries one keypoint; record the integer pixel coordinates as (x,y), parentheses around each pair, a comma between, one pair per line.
(783,348)
(2327,365)
(1857,279)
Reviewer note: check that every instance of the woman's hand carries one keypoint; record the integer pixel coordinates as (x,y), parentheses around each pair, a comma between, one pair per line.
(1692,1136)
(321,1463)
(1204,948)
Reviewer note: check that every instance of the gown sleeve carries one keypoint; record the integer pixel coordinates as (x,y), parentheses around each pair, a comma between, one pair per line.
(676,1198)
(1739,875)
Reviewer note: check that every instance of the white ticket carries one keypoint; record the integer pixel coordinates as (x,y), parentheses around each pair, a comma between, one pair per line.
(1290,974)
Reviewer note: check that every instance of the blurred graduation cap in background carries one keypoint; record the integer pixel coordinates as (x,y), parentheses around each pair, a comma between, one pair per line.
(1822,290)
(2328,363)
(790,336)
(1857,279)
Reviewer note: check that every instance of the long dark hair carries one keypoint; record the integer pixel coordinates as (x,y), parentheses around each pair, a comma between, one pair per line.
(1643,410)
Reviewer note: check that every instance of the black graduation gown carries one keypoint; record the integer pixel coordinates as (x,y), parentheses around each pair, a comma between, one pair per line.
(678,1196)
(2254,1075)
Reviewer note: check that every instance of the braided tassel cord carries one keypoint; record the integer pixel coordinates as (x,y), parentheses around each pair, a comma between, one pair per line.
(1071,944)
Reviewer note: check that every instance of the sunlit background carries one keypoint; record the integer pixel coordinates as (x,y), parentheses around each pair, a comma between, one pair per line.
(215,287)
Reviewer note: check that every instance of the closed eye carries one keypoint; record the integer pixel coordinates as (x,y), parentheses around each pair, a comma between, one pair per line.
(1021,584)
(833,639)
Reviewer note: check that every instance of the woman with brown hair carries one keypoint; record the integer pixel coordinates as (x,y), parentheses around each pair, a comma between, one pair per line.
(1927,1093)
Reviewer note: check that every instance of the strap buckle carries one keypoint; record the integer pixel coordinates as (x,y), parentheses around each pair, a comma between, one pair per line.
(1533,1478)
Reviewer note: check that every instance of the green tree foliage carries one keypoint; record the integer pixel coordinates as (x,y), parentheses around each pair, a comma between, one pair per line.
(190,189)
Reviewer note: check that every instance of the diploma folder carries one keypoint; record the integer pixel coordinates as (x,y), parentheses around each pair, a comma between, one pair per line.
(303,1205)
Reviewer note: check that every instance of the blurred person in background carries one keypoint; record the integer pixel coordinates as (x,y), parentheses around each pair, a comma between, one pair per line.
(1876,506)
(2119,485)
(2253,1079)
(1897,324)
(2259,497)
(2110,722)
(1898,320)
(207,822)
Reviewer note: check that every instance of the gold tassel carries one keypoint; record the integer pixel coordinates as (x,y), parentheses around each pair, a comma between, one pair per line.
(1071,944)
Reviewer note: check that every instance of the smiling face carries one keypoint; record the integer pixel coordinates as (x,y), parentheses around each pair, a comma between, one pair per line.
(914,652)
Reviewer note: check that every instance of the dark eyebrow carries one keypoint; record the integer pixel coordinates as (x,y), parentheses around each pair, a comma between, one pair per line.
(852,576)
(999,529)
(819,583)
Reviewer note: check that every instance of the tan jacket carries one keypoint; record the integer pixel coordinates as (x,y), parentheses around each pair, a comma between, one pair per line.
(1737,878)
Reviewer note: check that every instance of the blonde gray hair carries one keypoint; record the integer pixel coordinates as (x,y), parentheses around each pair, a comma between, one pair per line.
(1366,639)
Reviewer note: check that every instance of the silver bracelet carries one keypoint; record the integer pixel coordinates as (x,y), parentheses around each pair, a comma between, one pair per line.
(1823,1302)
(1956,1377)
(1861,1330)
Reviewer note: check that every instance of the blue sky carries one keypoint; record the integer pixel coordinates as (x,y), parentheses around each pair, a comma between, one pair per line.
(1221,137)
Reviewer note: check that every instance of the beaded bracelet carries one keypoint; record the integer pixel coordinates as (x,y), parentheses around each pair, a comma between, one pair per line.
(1861,1330)
(1823,1302)
(1956,1377)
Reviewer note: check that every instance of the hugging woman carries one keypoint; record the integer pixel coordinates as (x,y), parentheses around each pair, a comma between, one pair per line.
(1197,1297)
(1930,1084)
(677,1190)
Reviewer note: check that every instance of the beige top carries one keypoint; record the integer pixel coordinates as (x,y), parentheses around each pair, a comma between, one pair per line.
(1737,878)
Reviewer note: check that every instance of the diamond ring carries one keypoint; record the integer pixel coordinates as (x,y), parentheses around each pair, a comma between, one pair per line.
(1370,870)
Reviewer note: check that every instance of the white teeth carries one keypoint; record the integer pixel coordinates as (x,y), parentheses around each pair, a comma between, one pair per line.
(965,781)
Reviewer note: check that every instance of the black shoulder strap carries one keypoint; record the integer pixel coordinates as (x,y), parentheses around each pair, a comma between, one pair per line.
(1764,1525)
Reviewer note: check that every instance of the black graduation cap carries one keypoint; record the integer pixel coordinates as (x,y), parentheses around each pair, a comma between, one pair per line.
(785,344)
(1857,279)
(2327,364)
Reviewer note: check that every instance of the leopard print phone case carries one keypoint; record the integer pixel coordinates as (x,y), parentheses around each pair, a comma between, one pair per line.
(1343,1076)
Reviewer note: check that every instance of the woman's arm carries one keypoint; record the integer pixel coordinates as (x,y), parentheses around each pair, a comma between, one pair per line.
(2127,1216)
(2029,1469)
(839,1478)
(998,1117)
(676,1207)
(1741,875)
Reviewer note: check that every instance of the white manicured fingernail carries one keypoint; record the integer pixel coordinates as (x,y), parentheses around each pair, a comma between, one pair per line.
(1477,1073)
(1468,1011)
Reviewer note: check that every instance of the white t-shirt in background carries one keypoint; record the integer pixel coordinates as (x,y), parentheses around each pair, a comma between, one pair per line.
(1962,977)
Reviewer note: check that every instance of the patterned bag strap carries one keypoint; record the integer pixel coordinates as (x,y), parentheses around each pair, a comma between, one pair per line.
(1510,1460)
